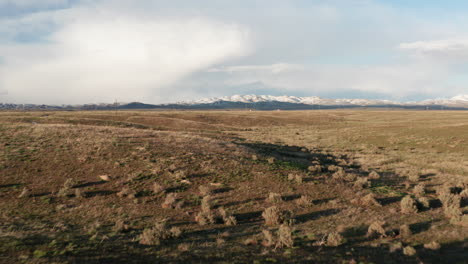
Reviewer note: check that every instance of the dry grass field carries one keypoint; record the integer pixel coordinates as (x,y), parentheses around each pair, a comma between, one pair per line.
(334,186)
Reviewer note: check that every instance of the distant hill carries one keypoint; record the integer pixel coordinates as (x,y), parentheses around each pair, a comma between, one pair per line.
(262,102)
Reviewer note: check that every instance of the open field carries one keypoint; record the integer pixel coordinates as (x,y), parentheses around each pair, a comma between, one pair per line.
(334,186)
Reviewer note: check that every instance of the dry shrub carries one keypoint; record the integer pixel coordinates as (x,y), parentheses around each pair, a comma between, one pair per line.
(154,235)
(274,198)
(254,157)
(158,188)
(451,200)
(369,200)
(251,241)
(419,190)
(204,190)
(396,246)
(333,168)
(78,193)
(409,251)
(451,205)
(120,226)
(408,205)
(305,200)
(175,232)
(271,160)
(444,194)
(376,228)
(295,177)
(341,228)
(463,221)
(298,178)
(285,237)
(282,238)
(351,177)
(458,218)
(207,203)
(454,214)
(170,201)
(172,167)
(228,219)
(405,231)
(361,183)
(433,245)
(184,247)
(315,168)
(407,184)
(93,228)
(424,202)
(273,216)
(206,216)
(464,194)
(339,174)
(126,192)
(180,175)
(220,241)
(335,239)
(374,175)
(413,176)
(268,238)
(66,188)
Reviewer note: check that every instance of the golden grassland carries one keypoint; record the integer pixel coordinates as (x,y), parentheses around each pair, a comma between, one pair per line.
(323,186)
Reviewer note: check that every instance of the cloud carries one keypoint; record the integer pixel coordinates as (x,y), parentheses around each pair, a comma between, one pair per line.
(448,50)
(397,81)
(273,68)
(158,51)
(117,56)
(32,3)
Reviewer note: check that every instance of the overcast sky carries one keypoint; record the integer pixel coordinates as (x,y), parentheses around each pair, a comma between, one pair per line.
(84,51)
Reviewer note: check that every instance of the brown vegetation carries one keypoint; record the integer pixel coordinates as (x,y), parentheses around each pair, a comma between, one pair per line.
(94,186)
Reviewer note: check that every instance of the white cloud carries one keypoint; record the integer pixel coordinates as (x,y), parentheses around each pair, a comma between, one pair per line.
(33,3)
(273,68)
(117,56)
(157,50)
(454,50)
(392,81)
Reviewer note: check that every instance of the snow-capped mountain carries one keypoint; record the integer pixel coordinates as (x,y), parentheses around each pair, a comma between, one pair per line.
(311,100)
(461,97)
(315,100)
(459,101)
(265,102)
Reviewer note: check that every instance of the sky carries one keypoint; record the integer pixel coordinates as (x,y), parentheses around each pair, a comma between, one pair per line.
(159,51)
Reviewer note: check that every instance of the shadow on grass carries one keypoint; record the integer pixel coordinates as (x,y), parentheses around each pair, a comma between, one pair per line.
(421,227)
(315,215)
(291,197)
(389,200)
(222,190)
(12,185)
(88,184)
(40,194)
(250,217)
(99,193)
(292,157)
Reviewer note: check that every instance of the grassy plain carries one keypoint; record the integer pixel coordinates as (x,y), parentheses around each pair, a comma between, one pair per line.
(147,186)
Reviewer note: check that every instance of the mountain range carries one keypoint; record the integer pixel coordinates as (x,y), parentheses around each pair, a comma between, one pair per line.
(262,102)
